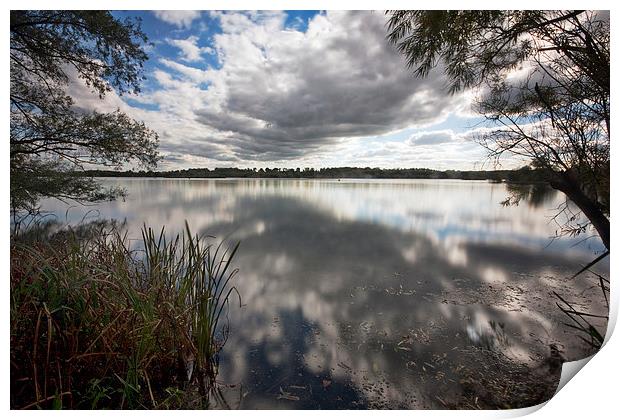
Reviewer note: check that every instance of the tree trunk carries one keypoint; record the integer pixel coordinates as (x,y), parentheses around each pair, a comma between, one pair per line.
(568,183)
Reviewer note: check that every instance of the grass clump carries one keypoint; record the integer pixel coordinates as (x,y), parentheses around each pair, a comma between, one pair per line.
(96,323)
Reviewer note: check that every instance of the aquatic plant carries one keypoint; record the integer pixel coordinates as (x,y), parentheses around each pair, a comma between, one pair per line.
(96,323)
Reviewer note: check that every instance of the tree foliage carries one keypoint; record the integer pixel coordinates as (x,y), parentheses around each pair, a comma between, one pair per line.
(513,177)
(51,139)
(542,82)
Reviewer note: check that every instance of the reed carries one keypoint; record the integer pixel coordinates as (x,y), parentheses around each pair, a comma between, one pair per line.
(96,323)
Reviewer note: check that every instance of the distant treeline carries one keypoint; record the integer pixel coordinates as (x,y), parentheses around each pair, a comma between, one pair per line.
(525,174)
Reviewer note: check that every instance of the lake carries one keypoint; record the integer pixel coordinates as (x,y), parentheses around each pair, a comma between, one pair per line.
(379,293)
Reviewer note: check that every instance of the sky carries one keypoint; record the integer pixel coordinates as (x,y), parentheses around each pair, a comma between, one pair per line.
(291,89)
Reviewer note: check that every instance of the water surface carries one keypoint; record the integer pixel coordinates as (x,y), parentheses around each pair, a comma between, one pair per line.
(378,293)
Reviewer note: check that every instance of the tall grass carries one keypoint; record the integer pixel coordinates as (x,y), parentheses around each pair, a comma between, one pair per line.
(98,324)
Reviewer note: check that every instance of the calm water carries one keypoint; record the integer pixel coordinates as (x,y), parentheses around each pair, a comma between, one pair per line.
(375,293)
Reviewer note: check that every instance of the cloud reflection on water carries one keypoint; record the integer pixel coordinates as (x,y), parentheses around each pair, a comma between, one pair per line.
(380,289)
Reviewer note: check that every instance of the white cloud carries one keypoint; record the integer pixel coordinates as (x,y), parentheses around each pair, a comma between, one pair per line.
(281,94)
(190,51)
(426,138)
(282,97)
(179,18)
